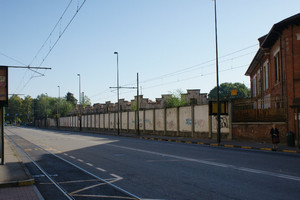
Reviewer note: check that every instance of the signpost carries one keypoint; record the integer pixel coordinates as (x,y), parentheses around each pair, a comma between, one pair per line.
(3,102)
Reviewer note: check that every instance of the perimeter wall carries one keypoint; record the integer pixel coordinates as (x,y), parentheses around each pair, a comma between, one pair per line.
(188,121)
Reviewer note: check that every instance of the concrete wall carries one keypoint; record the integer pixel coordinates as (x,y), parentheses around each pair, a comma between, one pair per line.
(201,118)
(149,120)
(131,120)
(188,121)
(159,119)
(171,115)
(185,119)
(124,120)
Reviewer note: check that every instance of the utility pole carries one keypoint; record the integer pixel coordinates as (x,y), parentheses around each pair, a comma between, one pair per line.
(58,107)
(118,92)
(137,103)
(79,106)
(137,99)
(217,76)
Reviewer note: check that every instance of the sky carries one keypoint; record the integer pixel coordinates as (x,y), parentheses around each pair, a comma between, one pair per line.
(169,43)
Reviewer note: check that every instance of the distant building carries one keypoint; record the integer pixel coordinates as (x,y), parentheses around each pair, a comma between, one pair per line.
(275,71)
(193,97)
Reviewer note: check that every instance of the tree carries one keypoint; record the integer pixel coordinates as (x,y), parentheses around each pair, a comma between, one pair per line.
(86,102)
(27,114)
(225,91)
(176,100)
(66,107)
(70,98)
(14,111)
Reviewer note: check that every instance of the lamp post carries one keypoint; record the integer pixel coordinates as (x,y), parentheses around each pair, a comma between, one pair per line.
(58,104)
(79,81)
(118,91)
(79,106)
(217,76)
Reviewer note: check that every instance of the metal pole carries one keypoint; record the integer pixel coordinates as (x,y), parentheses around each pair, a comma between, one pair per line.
(2,134)
(79,88)
(58,102)
(298,142)
(137,104)
(118,91)
(217,76)
(79,107)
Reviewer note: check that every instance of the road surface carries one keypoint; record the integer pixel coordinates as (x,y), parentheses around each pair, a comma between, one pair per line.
(94,166)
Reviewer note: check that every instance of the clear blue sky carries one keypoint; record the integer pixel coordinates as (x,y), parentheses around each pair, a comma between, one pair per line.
(170,43)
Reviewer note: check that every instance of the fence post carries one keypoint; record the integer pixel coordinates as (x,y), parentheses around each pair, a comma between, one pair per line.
(178,121)
(193,119)
(153,118)
(165,121)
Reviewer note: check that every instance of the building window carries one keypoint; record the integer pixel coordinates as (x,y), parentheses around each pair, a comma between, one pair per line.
(258,84)
(254,86)
(277,67)
(266,71)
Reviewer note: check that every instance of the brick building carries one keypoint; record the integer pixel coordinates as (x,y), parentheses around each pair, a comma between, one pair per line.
(275,72)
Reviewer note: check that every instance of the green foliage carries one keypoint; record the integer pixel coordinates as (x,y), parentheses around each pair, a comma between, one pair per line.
(70,98)
(65,107)
(225,91)
(134,106)
(176,100)
(86,102)
(24,110)
(14,109)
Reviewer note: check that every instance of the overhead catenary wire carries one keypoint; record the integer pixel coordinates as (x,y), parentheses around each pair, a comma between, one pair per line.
(202,65)
(61,34)
(54,44)
(49,36)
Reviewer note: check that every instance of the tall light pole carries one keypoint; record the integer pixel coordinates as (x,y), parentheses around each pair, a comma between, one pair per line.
(118,91)
(217,76)
(79,82)
(58,104)
(79,106)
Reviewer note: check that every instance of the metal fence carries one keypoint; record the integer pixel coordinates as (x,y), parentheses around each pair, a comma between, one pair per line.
(259,110)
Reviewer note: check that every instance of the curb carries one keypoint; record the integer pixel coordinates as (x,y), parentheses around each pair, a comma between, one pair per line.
(220,145)
(27,182)
(193,142)
(18,183)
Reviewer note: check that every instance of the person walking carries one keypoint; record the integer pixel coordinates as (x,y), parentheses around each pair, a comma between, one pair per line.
(275,137)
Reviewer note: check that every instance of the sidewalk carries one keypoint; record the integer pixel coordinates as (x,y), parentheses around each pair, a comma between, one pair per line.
(15,180)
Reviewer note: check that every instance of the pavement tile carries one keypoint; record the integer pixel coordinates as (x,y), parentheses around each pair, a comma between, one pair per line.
(15,181)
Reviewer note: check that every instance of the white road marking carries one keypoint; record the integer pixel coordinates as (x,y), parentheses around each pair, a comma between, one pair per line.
(118,178)
(255,171)
(80,160)
(72,157)
(89,164)
(100,169)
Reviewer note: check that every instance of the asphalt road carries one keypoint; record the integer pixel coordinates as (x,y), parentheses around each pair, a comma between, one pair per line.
(134,168)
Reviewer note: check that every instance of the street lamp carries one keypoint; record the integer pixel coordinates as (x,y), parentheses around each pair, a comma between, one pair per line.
(79,106)
(217,76)
(58,103)
(79,80)
(118,91)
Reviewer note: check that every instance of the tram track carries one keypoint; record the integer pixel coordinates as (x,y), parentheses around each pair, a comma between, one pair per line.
(71,180)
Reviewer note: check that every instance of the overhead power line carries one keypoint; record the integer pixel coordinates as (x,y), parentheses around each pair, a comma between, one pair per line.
(52,46)
(49,36)
(61,34)
(12,58)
